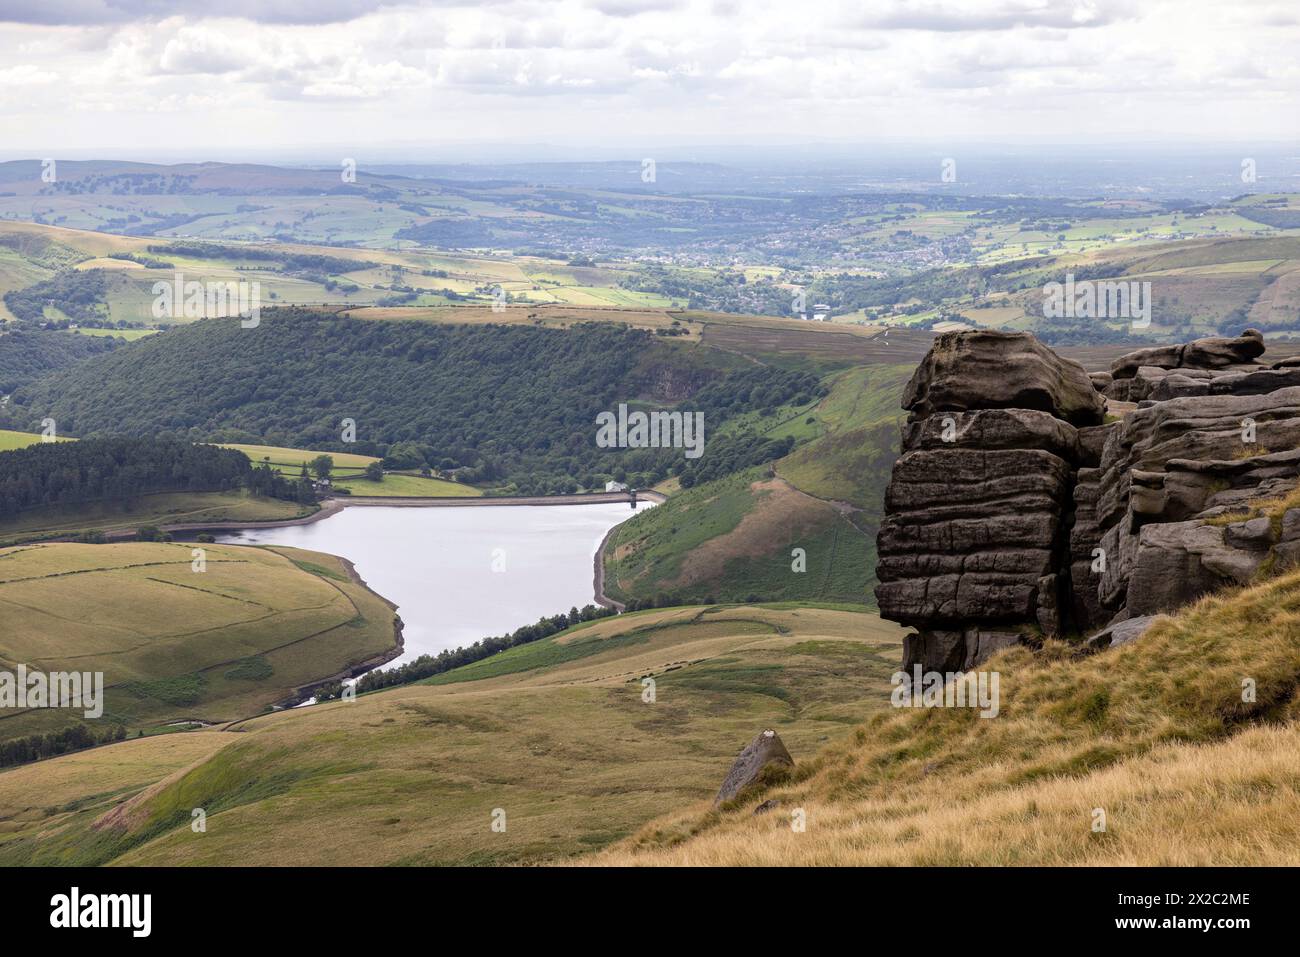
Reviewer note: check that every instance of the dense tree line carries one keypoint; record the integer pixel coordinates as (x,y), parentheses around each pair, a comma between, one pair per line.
(120,468)
(505,405)
(426,666)
(27,354)
(77,293)
(756,388)
(733,453)
(34,747)
(288,262)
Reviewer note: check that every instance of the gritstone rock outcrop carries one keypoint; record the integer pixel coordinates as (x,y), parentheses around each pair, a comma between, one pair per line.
(765,751)
(1019,509)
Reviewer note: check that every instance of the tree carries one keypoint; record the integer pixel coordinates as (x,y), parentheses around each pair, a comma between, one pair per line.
(375,471)
(321,466)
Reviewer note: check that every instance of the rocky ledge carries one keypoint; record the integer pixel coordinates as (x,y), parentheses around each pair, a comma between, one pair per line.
(1034,499)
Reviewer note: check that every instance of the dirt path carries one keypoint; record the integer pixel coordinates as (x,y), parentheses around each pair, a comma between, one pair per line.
(599,575)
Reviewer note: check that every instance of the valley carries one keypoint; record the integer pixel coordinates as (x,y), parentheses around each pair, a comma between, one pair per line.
(433,357)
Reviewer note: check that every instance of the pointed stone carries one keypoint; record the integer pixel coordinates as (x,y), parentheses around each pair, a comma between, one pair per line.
(766,749)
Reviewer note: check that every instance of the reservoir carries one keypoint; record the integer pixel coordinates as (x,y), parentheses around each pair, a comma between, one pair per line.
(458,574)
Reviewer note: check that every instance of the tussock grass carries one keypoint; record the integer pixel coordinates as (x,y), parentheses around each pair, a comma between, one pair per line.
(1156,734)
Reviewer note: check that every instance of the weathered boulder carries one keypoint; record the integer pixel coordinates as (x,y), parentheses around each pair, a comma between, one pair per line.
(961,650)
(1213,352)
(955,376)
(766,750)
(1216,352)
(1257,382)
(1255,533)
(1092,440)
(994,429)
(1161,357)
(1178,562)
(1122,632)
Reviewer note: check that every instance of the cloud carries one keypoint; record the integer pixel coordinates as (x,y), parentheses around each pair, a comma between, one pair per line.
(631,8)
(945,17)
(544,69)
(202,50)
(89,12)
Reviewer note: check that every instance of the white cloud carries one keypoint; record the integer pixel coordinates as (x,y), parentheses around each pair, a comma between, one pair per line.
(588,70)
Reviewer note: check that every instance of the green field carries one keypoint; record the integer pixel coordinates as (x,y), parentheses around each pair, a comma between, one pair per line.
(130,335)
(349,470)
(734,539)
(563,744)
(211,642)
(401,484)
(290,461)
(10,440)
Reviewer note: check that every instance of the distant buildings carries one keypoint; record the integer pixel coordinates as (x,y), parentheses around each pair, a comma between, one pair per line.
(615,486)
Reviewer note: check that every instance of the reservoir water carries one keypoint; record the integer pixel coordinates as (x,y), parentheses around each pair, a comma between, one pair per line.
(458,574)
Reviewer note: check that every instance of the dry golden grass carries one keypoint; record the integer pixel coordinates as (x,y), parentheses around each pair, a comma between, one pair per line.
(1235,803)
(1156,734)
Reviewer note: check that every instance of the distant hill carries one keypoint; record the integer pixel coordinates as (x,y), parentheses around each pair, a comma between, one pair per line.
(511,406)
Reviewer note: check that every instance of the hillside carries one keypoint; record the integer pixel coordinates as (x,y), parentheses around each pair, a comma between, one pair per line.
(1183,769)
(27,354)
(734,539)
(117,483)
(209,641)
(1197,287)
(1155,733)
(510,405)
(556,734)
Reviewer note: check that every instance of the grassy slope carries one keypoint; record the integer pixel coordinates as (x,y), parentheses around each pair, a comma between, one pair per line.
(561,741)
(1203,280)
(1156,734)
(733,539)
(157,509)
(169,639)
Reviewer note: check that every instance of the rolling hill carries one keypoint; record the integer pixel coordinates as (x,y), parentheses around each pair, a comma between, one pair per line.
(554,737)
(178,635)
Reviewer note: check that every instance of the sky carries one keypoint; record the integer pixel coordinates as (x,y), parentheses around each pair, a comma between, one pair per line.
(530,80)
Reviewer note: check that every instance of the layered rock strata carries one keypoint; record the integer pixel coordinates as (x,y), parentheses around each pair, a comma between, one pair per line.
(1020,510)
